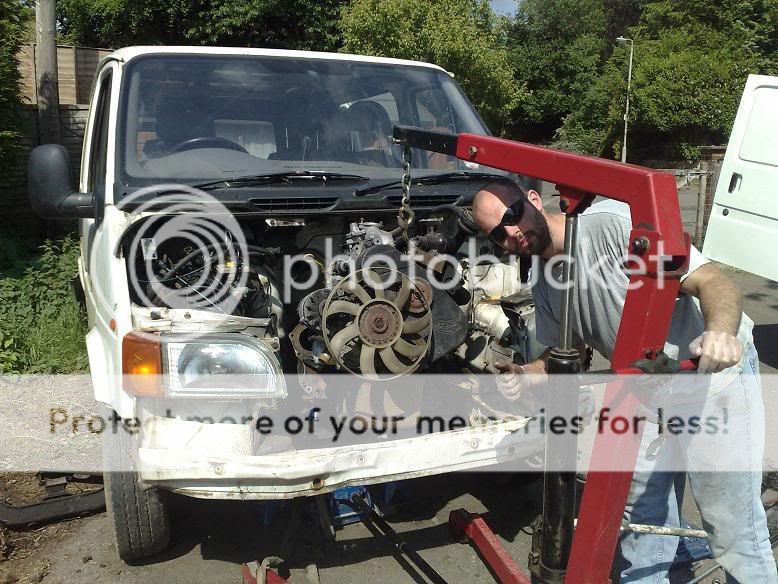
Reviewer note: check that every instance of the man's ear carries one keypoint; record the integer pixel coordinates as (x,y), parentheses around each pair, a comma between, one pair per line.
(534,198)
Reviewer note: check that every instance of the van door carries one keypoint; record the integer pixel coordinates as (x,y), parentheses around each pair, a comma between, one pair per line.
(743,225)
(94,158)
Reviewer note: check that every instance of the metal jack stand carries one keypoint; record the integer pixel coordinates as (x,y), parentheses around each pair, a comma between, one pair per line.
(657,238)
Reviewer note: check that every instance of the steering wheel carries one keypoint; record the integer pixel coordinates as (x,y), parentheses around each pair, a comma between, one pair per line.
(208,142)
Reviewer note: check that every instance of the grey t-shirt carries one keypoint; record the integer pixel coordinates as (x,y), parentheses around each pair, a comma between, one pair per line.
(601,281)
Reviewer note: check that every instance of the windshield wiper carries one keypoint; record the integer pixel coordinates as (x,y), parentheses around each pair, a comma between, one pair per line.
(430,179)
(252,180)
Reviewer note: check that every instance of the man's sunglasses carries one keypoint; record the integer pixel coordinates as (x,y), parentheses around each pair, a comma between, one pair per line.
(512,216)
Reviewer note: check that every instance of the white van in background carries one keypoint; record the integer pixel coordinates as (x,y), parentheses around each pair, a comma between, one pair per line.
(744,218)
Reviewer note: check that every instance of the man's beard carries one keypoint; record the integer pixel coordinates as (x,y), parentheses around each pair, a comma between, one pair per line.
(538,234)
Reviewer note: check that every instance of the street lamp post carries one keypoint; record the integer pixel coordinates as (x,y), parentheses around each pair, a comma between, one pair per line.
(622,40)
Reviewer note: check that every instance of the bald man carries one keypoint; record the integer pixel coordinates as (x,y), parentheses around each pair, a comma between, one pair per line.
(707,322)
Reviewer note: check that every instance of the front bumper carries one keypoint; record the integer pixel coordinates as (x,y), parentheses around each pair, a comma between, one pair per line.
(182,457)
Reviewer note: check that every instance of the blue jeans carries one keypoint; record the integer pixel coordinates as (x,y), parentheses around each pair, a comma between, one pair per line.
(729,502)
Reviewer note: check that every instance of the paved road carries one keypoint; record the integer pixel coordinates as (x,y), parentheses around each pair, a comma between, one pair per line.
(212,538)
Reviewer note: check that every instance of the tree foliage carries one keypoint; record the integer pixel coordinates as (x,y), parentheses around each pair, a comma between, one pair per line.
(556,47)
(289,24)
(691,62)
(462,36)
(14,25)
(621,15)
(553,73)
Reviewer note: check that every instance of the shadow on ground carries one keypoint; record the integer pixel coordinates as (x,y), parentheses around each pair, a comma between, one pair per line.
(239,532)
(766,341)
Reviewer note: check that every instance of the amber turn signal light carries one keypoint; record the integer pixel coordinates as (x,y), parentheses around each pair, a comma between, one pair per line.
(142,364)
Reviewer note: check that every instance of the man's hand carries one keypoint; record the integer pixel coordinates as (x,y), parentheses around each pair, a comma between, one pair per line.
(511,380)
(716,350)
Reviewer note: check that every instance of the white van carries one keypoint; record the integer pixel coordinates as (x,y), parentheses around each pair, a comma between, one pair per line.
(232,206)
(744,217)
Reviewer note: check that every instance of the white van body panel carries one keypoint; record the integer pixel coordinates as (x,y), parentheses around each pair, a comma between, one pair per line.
(743,225)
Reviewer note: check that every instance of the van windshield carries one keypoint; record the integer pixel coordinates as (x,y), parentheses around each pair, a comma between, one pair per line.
(195,117)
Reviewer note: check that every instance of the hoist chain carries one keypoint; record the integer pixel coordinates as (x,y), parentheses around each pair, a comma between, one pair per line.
(406,215)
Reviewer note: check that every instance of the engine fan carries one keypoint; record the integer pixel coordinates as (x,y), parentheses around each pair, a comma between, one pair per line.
(377,323)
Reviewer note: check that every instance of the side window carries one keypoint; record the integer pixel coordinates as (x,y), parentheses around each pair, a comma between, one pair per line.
(759,144)
(98,150)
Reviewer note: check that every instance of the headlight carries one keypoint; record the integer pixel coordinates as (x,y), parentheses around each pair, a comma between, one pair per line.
(221,366)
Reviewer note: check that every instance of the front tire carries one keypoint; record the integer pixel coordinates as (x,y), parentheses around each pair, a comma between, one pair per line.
(140,517)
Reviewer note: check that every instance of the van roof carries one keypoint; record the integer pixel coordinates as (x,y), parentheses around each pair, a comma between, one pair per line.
(127,53)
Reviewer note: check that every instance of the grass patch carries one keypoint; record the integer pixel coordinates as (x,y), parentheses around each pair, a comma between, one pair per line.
(42,327)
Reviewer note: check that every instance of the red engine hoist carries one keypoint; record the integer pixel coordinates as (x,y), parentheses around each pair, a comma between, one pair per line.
(583,553)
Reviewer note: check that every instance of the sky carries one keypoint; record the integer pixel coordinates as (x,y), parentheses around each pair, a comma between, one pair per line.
(507,7)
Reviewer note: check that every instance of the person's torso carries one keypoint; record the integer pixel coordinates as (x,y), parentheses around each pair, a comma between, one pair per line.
(601,283)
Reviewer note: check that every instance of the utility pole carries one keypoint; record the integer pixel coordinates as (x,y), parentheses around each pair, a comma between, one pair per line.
(699,224)
(622,39)
(46,71)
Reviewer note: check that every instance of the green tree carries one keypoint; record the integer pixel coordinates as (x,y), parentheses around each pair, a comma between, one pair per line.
(621,15)
(289,24)
(596,121)
(14,26)
(557,49)
(462,36)
(692,59)
(117,23)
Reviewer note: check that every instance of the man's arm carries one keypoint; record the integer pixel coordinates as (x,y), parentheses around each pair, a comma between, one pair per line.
(722,309)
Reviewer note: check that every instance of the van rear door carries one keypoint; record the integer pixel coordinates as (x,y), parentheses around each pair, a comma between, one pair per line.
(743,225)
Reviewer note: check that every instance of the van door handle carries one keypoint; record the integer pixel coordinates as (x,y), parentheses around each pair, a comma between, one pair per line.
(734,182)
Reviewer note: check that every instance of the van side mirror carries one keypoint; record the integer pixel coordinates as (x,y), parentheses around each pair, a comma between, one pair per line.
(50,185)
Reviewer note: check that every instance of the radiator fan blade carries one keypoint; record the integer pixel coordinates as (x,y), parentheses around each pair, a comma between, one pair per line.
(344,306)
(351,285)
(407,349)
(391,361)
(367,360)
(415,326)
(374,281)
(403,294)
(342,338)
